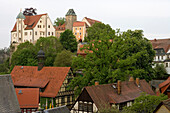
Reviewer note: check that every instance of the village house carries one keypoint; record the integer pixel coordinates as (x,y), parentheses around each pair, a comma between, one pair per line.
(78,27)
(94,98)
(52,83)
(31,28)
(162,52)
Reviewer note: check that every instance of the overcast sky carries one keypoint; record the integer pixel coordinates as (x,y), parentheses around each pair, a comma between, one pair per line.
(152,16)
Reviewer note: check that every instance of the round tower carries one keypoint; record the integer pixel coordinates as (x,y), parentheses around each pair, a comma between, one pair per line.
(20,27)
(71,17)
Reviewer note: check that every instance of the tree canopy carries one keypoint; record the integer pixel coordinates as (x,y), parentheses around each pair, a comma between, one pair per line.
(59,21)
(114,58)
(99,30)
(160,72)
(63,59)
(68,40)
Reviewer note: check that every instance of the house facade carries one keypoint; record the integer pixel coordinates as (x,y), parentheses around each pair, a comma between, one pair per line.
(94,98)
(162,52)
(31,28)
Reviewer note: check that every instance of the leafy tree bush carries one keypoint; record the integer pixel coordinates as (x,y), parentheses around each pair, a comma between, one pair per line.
(63,59)
(160,72)
(68,40)
(126,54)
(59,21)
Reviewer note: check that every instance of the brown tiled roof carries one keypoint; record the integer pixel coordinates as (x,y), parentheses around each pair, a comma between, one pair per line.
(55,76)
(91,21)
(28,97)
(106,94)
(78,23)
(30,21)
(60,28)
(161,43)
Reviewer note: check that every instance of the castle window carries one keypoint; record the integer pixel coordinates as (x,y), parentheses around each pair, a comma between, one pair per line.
(43,26)
(158,57)
(75,28)
(52,33)
(25,33)
(30,33)
(36,33)
(48,26)
(75,33)
(40,21)
(80,28)
(80,33)
(40,26)
(48,33)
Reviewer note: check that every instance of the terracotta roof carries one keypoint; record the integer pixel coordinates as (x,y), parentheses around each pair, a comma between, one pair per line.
(78,23)
(32,82)
(91,21)
(30,21)
(164,83)
(28,97)
(106,94)
(55,76)
(161,43)
(60,28)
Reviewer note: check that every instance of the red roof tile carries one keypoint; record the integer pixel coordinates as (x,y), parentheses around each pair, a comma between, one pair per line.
(106,94)
(161,43)
(91,21)
(55,76)
(60,28)
(78,24)
(30,21)
(28,97)
(164,83)
(84,51)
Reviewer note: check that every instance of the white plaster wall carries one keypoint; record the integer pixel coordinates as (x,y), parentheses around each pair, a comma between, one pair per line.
(28,37)
(13,37)
(84,20)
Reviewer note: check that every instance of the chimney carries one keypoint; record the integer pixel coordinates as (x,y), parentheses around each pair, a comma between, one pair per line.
(96,83)
(41,59)
(118,87)
(131,79)
(137,82)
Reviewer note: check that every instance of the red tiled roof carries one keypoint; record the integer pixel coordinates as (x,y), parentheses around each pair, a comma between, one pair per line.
(78,23)
(28,98)
(164,83)
(91,21)
(32,82)
(106,94)
(55,76)
(161,43)
(60,28)
(30,21)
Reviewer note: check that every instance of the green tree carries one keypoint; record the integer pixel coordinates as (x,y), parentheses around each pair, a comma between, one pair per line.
(126,54)
(25,55)
(63,59)
(99,30)
(68,40)
(145,104)
(51,46)
(160,72)
(59,21)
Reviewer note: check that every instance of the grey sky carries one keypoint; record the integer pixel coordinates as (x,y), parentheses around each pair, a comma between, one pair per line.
(152,16)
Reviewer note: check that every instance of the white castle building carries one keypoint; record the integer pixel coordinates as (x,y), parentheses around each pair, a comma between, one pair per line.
(31,28)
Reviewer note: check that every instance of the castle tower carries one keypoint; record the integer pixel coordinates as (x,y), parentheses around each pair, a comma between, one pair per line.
(71,17)
(20,27)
